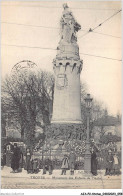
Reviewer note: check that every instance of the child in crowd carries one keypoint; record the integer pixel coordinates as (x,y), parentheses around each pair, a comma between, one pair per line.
(35,165)
(116,167)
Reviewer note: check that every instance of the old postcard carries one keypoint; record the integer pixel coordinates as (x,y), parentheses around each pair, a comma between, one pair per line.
(61,95)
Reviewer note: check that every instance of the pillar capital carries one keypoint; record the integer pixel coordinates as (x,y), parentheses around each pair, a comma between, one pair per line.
(63,64)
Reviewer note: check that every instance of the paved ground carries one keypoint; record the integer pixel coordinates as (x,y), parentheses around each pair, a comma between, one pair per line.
(57,181)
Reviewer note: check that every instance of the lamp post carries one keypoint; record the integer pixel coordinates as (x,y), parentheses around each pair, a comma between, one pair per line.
(87,160)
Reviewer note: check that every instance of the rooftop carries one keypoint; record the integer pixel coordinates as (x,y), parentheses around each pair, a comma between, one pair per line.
(107,121)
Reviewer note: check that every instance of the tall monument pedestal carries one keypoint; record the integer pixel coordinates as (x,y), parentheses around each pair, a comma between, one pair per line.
(67,105)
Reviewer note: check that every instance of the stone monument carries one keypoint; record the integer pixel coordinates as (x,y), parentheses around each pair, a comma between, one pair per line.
(67,68)
(66,123)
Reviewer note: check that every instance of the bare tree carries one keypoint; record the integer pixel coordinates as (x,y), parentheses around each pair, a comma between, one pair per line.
(27,95)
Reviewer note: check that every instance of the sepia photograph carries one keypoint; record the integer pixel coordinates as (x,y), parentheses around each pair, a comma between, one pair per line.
(61,112)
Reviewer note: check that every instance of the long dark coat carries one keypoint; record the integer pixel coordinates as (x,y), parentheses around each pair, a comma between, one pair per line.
(93,163)
(72,159)
(28,161)
(109,161)
(15,158)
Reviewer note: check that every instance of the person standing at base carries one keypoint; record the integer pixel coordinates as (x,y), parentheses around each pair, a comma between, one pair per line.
(28,160)
(47,166)
(35,163)
(109,163)
(65,165)
(72,159)
(16,155)
(50,166)
(93,162)
(3,159)
(116,168)
(72,168)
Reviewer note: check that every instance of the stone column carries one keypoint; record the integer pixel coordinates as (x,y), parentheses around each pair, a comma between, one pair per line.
(67,100)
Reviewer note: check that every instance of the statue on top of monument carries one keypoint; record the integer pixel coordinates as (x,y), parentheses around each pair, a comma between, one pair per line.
(69,26)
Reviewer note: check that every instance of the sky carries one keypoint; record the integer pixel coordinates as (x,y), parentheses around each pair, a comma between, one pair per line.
(102,76)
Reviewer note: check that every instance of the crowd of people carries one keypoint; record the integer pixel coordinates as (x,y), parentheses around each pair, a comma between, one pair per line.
(112,166)
(111,163)
(31,164)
